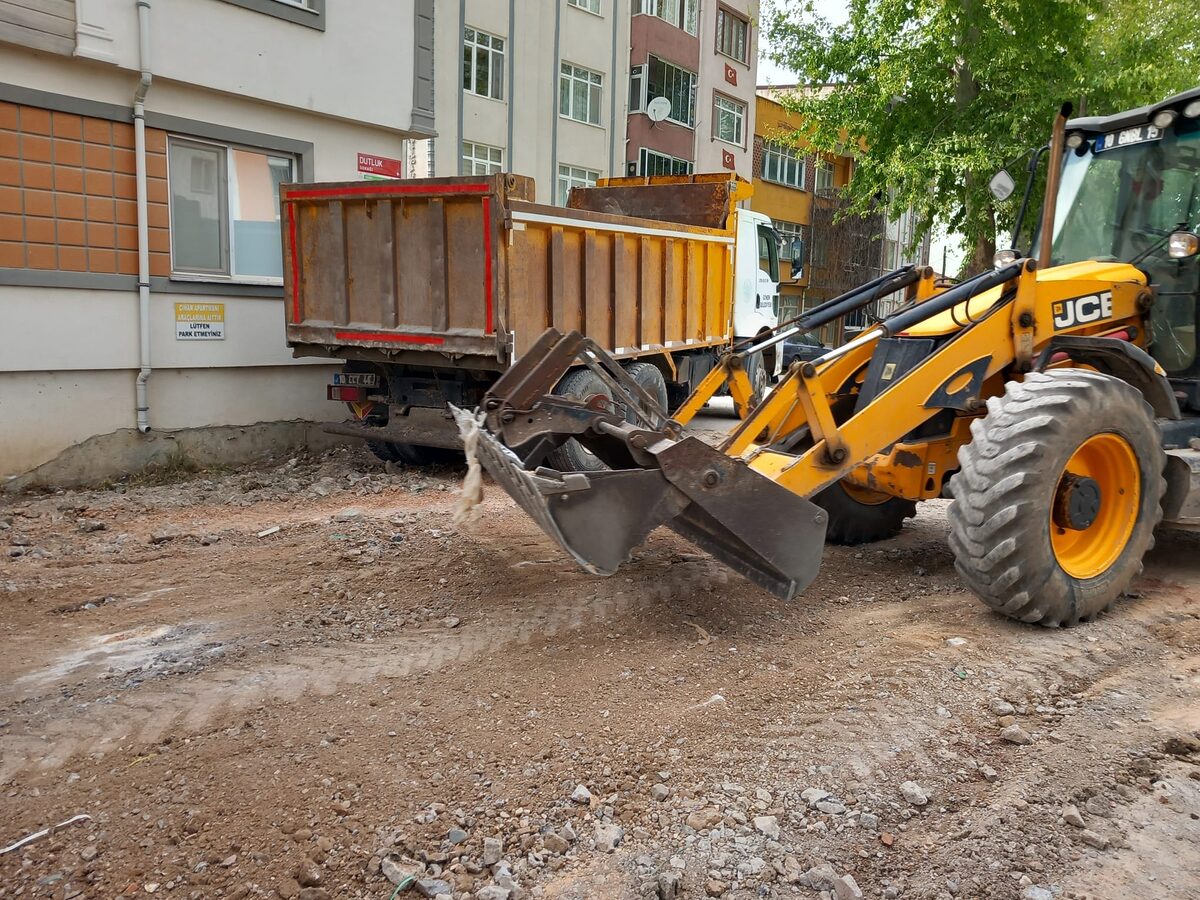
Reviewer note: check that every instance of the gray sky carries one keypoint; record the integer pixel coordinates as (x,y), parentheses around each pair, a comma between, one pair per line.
(768,72)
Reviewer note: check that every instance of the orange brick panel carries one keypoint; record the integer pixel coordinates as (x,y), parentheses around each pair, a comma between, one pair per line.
(102,260)
(39,203)
(101,234)
(68,153)
(156,165)
(69,206)
(125,161)
(97,183)
(34,120)
(39,231)
(35,149)
(127,263)
(72,259)
(100,209)
(8,116)
(160,264)
(10,172)
(12,254)
(68,180)
(160,240)
(127,237)
(12,228)
(10,144)
(158,215)
(122,135)
(37,175)
(125,187)
(126,212)
(71,232)
(156,141)
(96,156)
(97,131)
(67,126)
(156,190)
(42,256)
(10,200)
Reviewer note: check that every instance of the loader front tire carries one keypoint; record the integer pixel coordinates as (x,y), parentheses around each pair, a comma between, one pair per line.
(1057,496)
(861,516)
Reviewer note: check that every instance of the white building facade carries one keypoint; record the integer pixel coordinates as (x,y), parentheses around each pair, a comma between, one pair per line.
(533,87)
(142,144)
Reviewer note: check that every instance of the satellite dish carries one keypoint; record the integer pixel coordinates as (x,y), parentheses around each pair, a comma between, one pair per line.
(658,109)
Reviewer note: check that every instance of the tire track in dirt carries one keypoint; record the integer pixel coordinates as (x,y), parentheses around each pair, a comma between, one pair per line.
(143,716)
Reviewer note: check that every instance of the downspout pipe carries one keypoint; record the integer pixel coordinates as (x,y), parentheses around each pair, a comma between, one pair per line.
(143,215)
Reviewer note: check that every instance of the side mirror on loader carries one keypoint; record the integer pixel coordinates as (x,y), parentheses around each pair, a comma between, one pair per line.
(1002,185)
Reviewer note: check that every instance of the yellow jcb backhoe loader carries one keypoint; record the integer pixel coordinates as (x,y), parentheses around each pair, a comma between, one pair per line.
(1056,399)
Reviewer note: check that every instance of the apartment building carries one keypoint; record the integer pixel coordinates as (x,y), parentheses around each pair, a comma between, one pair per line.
(702,57)
(142,145)
(532,87)
(800,190)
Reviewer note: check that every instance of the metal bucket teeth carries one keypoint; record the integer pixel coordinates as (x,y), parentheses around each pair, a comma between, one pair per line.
(758,528)
(596,517)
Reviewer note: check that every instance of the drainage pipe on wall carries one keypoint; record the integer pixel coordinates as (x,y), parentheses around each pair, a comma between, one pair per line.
(143,215)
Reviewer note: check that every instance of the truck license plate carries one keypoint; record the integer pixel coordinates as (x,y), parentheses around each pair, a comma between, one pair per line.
(356,379)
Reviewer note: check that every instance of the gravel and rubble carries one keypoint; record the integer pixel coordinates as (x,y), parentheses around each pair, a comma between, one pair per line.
(364,702)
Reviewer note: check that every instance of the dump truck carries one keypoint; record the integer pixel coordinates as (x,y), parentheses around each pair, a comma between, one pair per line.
(429,289)
(1055,399)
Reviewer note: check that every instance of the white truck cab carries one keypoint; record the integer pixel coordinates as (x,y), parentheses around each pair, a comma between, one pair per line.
(755,276)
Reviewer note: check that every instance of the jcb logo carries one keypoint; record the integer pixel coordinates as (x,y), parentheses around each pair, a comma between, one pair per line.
(1081,310)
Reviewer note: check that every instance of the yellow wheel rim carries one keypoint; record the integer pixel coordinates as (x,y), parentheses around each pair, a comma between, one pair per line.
(865,496)
(1087,544)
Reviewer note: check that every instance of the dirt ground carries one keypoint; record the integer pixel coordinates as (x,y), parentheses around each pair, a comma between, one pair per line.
(302,681)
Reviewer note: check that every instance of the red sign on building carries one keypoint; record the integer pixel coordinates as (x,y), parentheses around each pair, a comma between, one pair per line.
(730,74)
(728,160)
(369,164)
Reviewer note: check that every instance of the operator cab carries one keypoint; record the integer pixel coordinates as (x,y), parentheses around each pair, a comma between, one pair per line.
(1130,192)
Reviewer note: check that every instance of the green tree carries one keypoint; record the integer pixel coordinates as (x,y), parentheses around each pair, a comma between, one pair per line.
(942,93)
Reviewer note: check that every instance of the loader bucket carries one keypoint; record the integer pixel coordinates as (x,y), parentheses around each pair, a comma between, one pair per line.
(759,529)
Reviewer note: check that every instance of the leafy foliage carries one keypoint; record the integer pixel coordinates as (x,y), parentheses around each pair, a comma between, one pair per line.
(946,92)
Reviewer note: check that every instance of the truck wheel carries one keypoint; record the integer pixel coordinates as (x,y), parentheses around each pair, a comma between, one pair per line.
(412,454)
(1057,496)
(650,378)
(578,384)
(860,516)
(760,378)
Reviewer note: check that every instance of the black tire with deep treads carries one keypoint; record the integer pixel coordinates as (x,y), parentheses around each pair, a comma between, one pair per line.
(1000,518)
(572,456)
(650,378)
(852,522)
(413,454)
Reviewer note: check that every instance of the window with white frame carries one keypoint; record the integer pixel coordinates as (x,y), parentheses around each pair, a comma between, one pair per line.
(823,176)
(791,239)
(651,162)
(225,209)
(782,164)
(733,35)
(658,78)
(683,14)
(729,120)
(483,63)
(573,177)
(481,159)
(592,6)
(579,92)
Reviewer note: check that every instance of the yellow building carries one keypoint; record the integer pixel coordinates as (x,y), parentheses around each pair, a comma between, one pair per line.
(787,175)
